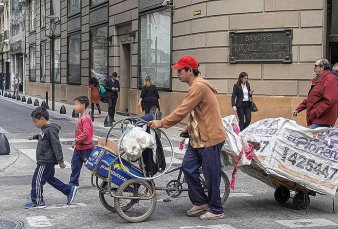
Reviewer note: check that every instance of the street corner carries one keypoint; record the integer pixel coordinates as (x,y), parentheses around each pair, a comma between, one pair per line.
(7,161)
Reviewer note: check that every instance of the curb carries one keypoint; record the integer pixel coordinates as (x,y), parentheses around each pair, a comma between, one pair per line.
(11,159)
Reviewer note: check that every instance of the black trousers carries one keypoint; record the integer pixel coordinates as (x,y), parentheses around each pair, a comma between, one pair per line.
(244,115)
(98,108)
(111,107)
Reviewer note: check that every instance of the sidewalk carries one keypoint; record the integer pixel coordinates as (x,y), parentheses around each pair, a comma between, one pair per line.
(173,133)
(7,160)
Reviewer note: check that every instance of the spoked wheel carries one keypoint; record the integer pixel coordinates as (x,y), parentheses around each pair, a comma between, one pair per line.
(108,201)
(144,198)
(174,188)
(299,201)
(224,187)
(282,194)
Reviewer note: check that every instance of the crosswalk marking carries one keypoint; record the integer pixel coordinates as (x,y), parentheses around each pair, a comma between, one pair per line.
(176,150)
(240,194)
(39,221)
(219,226)
(3,131)
(61,206)
(31,153)
(13,141)
(306,223)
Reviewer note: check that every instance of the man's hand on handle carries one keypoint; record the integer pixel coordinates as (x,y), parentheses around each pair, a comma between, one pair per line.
(155,124)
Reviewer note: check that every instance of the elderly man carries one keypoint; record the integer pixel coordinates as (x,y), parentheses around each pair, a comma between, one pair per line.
(335,69)
(207,136)
(321,103)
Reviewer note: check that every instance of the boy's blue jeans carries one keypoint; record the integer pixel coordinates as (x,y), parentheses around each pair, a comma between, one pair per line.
(209,159)
(79,157)
(45,173)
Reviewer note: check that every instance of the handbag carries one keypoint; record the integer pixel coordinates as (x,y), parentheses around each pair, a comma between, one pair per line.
(253,107)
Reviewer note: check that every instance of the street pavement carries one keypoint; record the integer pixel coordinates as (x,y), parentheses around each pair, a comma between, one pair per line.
(250,205)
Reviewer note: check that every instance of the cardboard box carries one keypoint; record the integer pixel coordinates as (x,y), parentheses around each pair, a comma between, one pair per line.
(110,145)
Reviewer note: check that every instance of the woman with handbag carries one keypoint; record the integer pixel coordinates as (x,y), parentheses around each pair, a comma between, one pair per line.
(241,100)
(94,94)
(149,98)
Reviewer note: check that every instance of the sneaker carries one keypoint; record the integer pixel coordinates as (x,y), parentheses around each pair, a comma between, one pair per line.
(71,195)
(32,205)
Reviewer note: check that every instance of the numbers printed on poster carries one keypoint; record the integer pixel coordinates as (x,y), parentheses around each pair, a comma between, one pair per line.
(310,165)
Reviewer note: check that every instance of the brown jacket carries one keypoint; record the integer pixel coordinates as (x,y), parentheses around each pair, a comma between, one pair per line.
(205,122)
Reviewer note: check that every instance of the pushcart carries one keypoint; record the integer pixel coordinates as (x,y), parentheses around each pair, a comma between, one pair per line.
(124,186)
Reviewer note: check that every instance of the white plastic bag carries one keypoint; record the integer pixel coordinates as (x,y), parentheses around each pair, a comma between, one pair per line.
(135,141)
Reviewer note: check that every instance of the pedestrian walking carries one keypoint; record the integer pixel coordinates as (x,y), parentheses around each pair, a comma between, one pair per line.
(112,86)
(3,84)
(321,103)
(335,69)
(83,144)
(94,94)
(241,100)
(48,154)
(16,85)
(207,136)
(149,98)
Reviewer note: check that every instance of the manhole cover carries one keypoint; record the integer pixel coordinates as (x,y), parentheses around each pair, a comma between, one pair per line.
(6,224)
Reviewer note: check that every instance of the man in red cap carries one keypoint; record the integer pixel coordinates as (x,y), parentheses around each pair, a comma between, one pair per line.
(207,136)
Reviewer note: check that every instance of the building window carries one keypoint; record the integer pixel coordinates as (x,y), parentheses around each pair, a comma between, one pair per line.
(43,13)
(32,72)
(74,7)
(43,62)
(55,8)
(99,52)
(333,31)
(155,48)
(32,19)
(97,2)
(57,60)
(74,59)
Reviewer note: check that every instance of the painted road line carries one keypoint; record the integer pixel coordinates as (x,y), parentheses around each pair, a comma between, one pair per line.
(3,131)
(31,153)
(176,150)
(62,206)
(219,226)
(39,221)
(13,141)
(175,160)
(239,194)
(297,223)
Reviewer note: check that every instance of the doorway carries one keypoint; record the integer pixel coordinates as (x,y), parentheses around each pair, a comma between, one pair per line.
(125,66)
(20,72)
(8,76)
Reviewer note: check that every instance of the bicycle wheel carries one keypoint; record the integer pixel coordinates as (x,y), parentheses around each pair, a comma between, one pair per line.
(108,201)
(144,202)
(224,187)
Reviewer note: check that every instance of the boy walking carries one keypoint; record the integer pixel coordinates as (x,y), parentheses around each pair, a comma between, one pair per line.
(83,144)
(48,154)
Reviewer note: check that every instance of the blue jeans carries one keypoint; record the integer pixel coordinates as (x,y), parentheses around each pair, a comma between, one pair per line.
(79,157)
(209,159)
(314,126)
(45,173)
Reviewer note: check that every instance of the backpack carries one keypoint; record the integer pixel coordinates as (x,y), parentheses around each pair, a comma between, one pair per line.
(102,92)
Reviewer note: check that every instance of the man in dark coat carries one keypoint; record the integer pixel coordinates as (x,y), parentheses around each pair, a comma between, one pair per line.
(112,86)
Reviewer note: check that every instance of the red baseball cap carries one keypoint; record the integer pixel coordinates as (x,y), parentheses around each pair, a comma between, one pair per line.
(186,62)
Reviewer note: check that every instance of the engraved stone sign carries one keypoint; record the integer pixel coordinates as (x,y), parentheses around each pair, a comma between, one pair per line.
(261,47)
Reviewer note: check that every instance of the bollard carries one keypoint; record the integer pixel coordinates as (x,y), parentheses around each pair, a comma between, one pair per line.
(36,103)
(5,95)
(43,104)
(18,98)
(13,96)
(29,100)
(63,110)
(75,114)
(23,99)
(108,122)
(4,145)
(9,95)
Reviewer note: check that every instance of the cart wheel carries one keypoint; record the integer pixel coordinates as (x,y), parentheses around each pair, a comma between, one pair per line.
(174,188)
(282,194)
(299,202)
(224,187)
(144,204)
(108,201)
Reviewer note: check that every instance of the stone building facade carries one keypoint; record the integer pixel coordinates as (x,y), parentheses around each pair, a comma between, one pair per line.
(144,37)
